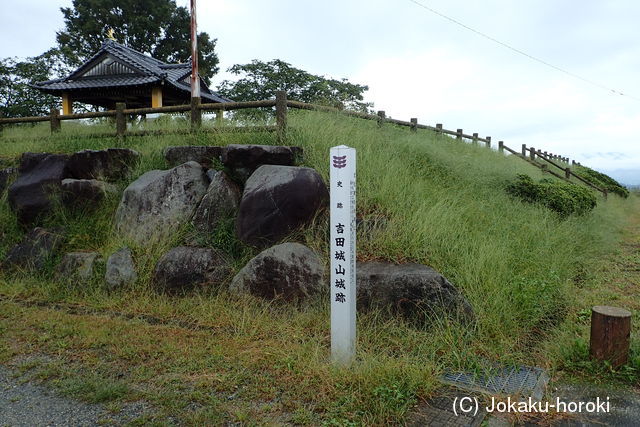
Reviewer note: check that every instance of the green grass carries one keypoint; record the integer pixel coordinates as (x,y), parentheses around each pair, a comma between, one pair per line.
(602,180)
(437,201)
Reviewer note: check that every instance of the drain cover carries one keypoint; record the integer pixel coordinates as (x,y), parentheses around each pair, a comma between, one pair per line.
(522,380)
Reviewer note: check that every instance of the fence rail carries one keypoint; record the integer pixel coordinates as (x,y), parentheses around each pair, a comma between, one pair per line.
(282,104)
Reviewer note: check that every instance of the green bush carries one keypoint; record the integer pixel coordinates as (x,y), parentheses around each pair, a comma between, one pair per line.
(602,180)
(564,198)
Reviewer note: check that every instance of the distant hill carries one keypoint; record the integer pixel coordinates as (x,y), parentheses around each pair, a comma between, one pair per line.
(628,177)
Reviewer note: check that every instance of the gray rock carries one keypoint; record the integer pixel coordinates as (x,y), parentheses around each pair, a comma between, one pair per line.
(5,177)
(221,202)
(289,271)
(40,176)
(409,289)
(245,159)
(84,192)
(276,201)
(30,160)
(35,249)
(185,268)
(211,173)
(104,165)
(202,154)
(121,271)
(159,202)
(78,265)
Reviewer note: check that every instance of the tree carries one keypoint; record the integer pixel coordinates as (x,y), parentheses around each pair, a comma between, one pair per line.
(156,27)
(17,98)
(260,80)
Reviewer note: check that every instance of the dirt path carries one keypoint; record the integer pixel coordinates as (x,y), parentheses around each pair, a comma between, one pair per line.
(25,403)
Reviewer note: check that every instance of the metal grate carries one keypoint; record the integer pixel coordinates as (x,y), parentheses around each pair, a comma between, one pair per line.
(522,380)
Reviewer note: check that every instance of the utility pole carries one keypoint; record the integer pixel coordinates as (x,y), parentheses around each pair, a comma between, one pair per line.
(195,81)
(196,113)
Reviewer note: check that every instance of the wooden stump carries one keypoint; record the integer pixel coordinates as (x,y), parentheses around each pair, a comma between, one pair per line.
(610,334)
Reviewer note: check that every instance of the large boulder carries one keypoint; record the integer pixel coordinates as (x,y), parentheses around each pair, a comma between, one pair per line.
(78,266)
(221,202)
(5,177)
(120,269)
(105,165)
(35,249)
(290,271)
(30,160)
(245,159)
(84,192)
(203,154)
(409,289)
(276,201)
(185,268)
(40,175)
(159,202)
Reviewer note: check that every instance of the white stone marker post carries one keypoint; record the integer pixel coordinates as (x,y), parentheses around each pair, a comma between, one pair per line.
(342,166)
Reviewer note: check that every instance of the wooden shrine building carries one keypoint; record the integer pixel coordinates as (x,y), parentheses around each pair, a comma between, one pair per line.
(117,73)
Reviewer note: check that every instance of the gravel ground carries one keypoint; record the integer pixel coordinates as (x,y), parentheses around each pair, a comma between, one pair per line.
(29,404)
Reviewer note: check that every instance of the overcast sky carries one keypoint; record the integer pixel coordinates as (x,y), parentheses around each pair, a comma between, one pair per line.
(418,64)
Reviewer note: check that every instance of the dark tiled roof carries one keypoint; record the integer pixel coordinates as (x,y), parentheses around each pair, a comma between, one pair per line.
(145,70)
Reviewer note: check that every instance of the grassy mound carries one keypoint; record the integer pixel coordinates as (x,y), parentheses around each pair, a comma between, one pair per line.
(562,197)
(602,180)
(430,199)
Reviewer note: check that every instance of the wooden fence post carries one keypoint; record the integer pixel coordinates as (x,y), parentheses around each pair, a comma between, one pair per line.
(55,120)
(196,114)
(532,153)
(610,334)
(501,146)
(281,116)
(488,138)
(475,138)
(458,133)
(524,150)
(567,173)
(381,116)
(414,124)
(121,121)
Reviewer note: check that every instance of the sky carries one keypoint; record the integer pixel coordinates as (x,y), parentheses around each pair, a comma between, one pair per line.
(419,64)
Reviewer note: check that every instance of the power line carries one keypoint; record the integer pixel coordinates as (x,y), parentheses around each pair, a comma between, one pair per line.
(518,51)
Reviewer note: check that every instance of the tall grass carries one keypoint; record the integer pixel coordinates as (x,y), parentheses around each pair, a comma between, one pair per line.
(431,199)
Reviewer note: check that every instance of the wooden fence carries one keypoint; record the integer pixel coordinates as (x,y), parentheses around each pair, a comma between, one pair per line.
(540,159)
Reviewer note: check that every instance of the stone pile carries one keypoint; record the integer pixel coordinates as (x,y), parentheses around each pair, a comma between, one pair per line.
(260,188)
(79,178)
